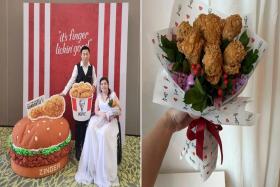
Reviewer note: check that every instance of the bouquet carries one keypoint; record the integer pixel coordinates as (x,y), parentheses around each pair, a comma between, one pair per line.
(208,59)
(114,109)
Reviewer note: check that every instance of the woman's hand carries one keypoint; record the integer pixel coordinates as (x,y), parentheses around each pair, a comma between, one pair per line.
(155,143)
(102,114)
(110,116)
(177,120)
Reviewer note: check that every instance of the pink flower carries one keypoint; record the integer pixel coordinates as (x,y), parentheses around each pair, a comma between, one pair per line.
(184,81)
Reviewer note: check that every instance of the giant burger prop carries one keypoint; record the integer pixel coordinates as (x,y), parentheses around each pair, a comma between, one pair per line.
(40,143)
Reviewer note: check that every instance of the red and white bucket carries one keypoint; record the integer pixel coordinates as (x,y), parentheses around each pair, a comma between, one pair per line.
(81,108)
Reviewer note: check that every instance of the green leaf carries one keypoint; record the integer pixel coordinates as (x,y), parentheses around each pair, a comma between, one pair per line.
(193,95)
(229,84)
(247,64)
(168,43)
(177,67)
(110,103)
(197,97)
(170,53)
(244,39)
(210,100)
(169,47)
(186,67)
(180,57)
(175,56)
(199,87)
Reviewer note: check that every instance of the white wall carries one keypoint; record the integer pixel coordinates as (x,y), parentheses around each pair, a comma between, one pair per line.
(155,16)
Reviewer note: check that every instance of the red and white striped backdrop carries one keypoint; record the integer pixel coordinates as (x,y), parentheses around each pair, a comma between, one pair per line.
(46,72)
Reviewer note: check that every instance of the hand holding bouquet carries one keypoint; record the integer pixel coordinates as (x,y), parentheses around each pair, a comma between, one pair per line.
(115,109)
(207,61)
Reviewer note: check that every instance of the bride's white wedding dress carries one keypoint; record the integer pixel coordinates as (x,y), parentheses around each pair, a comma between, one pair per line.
(98,162)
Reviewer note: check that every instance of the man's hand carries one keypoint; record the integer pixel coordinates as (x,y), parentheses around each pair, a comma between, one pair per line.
(62,94)
(94,89)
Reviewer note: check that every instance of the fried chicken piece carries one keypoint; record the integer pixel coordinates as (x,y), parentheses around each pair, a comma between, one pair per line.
(213,61)
(85,94)
(75,85)
(53,107)
(74,92)
(233,56)
(36,112)
(232,27)
(81,90)
(232,69)
(214,79)
(211,27)
(183,30)
(189,42)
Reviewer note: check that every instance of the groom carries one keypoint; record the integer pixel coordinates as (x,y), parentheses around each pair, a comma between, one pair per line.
(83,71)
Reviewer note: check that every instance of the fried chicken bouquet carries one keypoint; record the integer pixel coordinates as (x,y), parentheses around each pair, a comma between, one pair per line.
(207,59)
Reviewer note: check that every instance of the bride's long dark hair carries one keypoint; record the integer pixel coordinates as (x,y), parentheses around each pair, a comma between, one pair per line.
(109,90)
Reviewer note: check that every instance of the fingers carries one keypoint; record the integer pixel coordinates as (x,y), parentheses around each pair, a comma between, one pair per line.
(180,119)
(62,94)
(177,116)
(193,116)
(185,122)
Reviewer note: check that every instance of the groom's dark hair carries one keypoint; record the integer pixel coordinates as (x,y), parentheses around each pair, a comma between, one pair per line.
(85,48)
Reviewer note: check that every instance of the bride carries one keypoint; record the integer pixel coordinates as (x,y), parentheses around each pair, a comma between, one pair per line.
(98,162)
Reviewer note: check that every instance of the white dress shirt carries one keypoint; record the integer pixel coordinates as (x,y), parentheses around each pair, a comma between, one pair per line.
(75,74)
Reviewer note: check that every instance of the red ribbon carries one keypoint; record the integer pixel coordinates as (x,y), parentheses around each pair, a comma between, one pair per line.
(201,124)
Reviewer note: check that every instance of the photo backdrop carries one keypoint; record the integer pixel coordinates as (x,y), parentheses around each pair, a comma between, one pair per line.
(53,35)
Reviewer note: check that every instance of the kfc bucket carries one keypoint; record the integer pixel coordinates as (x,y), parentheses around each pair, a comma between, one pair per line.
(81,99)
(81,108)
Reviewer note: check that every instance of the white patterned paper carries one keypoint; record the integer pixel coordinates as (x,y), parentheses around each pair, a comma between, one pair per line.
(210,154)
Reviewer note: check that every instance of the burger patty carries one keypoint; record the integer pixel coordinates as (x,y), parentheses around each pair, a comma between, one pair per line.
(39,160)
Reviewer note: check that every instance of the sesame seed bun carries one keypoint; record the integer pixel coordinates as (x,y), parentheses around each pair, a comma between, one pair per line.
(41,133)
